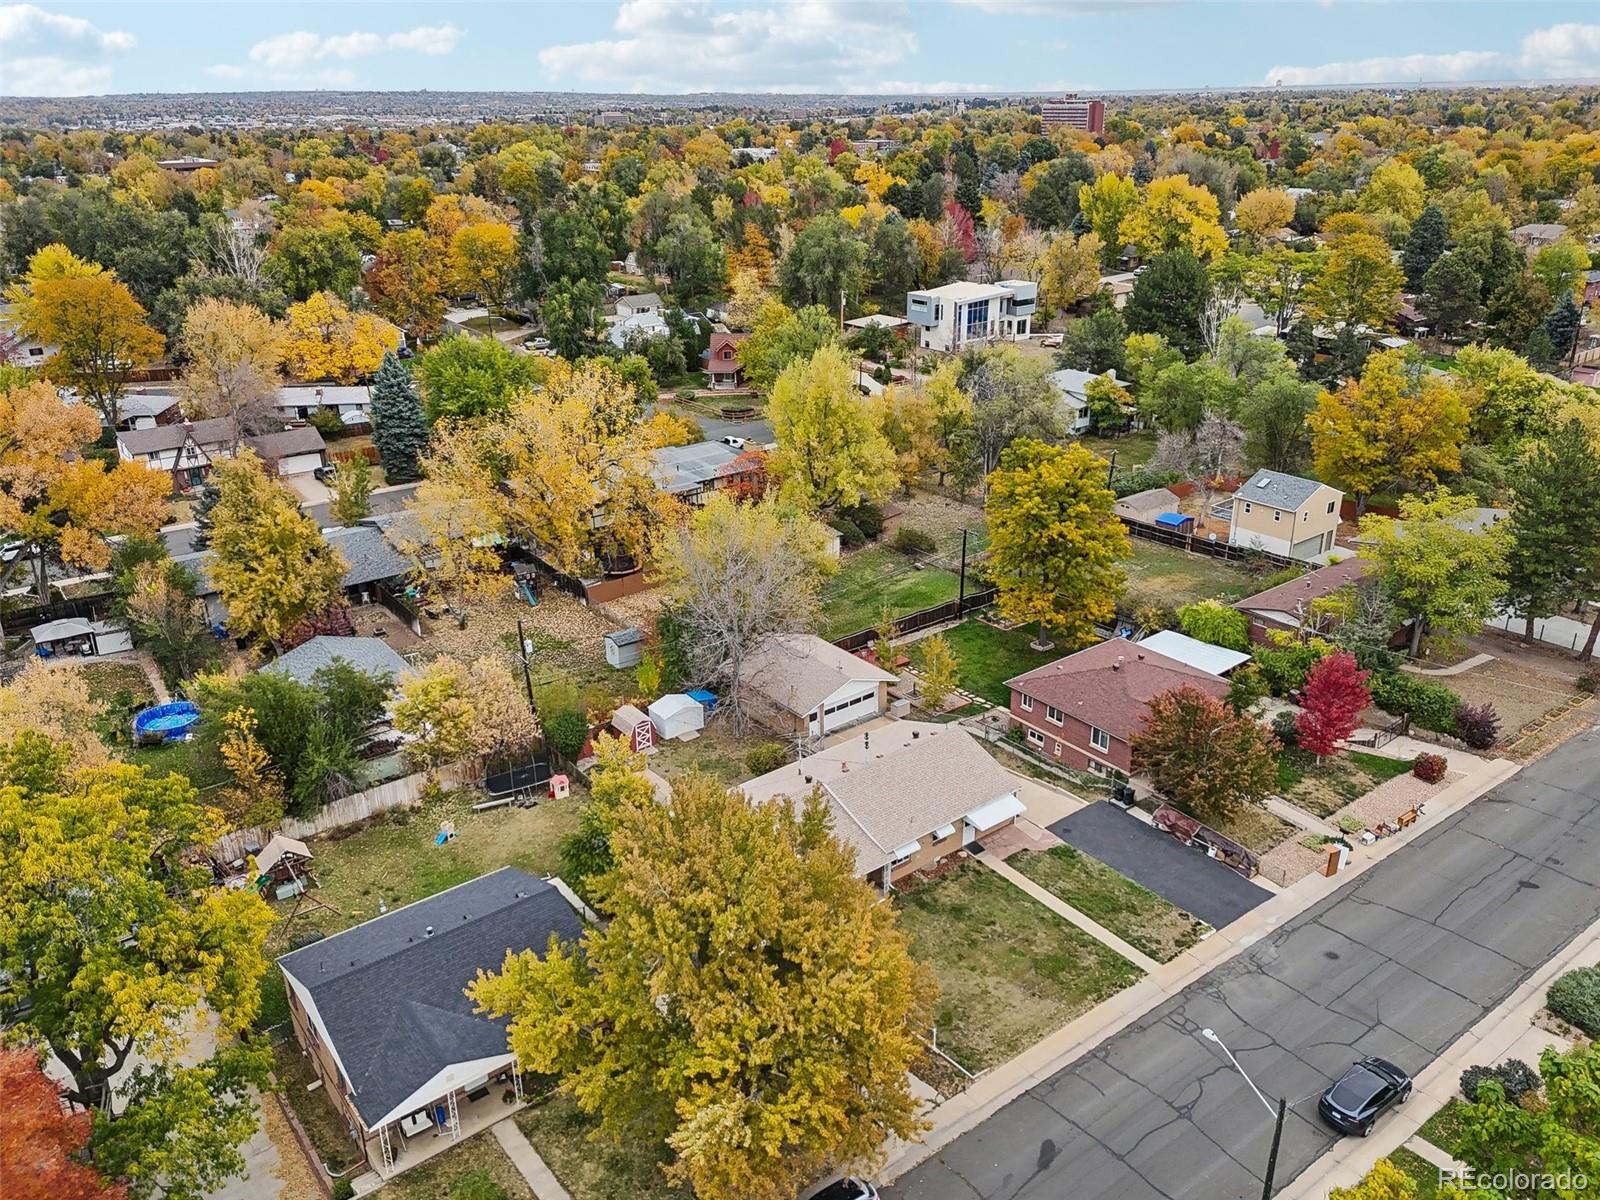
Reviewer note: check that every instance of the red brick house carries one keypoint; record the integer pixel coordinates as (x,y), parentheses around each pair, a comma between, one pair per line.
(1083,710)
(722,361)
(1286,608)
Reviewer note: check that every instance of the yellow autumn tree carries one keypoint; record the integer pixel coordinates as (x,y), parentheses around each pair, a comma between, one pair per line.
(1263,211)
(323,339)
(53,699)
(433,709)
(233,356)
(1394,187)
(1175,213)
(1071,269)
(483,256)
(831,453)
(255,795)
(908,422)
(270,562)
(450,532)
(98,331)
(1105,204)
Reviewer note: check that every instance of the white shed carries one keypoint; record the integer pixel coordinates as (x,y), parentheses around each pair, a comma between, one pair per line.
(676,715)
(624,647)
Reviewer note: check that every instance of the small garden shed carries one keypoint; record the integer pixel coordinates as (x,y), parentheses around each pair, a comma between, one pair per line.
(676,715)
(624,647)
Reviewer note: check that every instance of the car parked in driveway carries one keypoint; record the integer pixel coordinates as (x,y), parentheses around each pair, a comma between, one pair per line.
(1364,1093)
(848,1188)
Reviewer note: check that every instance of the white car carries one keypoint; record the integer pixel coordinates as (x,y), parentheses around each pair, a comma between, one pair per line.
(738,443)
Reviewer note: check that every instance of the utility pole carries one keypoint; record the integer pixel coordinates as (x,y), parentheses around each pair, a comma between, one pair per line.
(522,656)
(961,598)
(1272,1155)
(1111,471)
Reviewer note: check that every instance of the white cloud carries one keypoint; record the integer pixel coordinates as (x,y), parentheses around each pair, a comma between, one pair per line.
(51,54)
(1403,68)
(1562,50)
(294,57)
(792,45)
(1054,8)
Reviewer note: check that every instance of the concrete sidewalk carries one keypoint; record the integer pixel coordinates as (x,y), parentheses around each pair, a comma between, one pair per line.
(998,1087)
(527,1161)
(1507,1032)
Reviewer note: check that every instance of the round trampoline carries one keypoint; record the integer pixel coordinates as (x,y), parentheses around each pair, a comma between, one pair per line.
(166,721)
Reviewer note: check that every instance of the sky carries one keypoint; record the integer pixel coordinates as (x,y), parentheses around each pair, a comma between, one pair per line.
(858,46)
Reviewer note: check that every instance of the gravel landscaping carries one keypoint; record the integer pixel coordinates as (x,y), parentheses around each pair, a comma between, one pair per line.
(1388,800)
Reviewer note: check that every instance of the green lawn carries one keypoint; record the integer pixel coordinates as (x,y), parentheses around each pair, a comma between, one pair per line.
(989,656)
(874,577)
(1010,971)
(1133,450)
(1143,919)
(394,861)
(598,1169)
(1340,780)
(462,1173)
(1422,1172)
(1172,578)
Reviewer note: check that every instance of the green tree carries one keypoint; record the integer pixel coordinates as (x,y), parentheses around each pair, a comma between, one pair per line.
(1217,623)
(831,453)
(827,259)
(780,336)
(1562,325)
(1424,244)
(270,563)
(399,428)
(1273,416)
(1501,1136)
(1168,298)
(352,490)
(1054,541)
(692,257)
(1560,266)
(1441,572)
(1450,296)
(121,953)
(1095,343)
(1553,558)
(762,1033)
(168,621)
(1203,756)
(1010,397)
(572,316)
(1358,284)
(472,377)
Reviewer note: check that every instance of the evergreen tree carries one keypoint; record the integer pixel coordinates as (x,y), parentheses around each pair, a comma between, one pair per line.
(1539,350)
(399,430)
(1168,299)
(1554,556)
(202,515)
(1450,297)
(1562,325)
(1424,245)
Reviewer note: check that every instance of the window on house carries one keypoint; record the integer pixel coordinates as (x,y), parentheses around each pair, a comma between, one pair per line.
(1098,768)
(1276,515)
(1247,506)
(1330,506)
(1025,702)
(1035,738)
(1099,738)
(1057,750)
(1053,714)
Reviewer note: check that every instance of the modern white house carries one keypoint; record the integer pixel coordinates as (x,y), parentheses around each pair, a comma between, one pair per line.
(960,314)
(626,326)
(638,304)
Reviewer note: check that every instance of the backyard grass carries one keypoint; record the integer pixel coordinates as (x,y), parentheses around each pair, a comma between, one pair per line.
(393,860)
(718,752)
(1132,450)
(1009,970)
(461,1172)
(1443,1129)
(1137,915)
(594,1170)
(1422,1172)
(987,657)
(1338,781)
(1172,578)
(874,577)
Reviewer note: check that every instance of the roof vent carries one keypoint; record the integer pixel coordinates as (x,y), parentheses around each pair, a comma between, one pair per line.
(915,734)
(1141,656)
(844,767)
(428,932)
(808,779)
(1117,666)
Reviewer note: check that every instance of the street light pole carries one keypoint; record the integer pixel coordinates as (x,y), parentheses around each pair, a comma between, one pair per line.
(1277,1114)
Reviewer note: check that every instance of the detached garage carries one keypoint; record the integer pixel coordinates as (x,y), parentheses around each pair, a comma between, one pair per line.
(803,686)
(298,451)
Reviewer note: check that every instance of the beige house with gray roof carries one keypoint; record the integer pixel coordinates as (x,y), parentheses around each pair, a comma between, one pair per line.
(1285,514)
(800,685)
(903,796)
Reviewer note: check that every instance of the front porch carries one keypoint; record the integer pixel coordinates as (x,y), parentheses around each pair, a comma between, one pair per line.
(435,1128)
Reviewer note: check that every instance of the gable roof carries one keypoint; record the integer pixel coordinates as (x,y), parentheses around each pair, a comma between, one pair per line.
(1277,490)
(389,992)
(372,655)
(303,439)
(1110,685)
(368,555)
(216,431)
(798,671)
(891,786)
(1074,383)
(1296,595)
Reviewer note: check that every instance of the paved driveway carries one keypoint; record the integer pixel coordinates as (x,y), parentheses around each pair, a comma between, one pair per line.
(1400,962)
(1185,876)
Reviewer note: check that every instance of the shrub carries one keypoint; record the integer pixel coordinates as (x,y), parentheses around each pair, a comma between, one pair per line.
(1516,1077)
(1478,725)
(768,756)
(1575,998)
(1351,824)
(327,422)
(1151,616)
(1589,682)
(566,730)
(1431,705)
(850,535)
(1142,480)
(1280,576)
(1214,622)
(912,541)
(343,1189)
(1286,667)
(866,516)
(1429,767)
(1286,729)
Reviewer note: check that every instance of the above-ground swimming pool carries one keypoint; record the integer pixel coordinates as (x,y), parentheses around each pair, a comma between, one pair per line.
(166,720)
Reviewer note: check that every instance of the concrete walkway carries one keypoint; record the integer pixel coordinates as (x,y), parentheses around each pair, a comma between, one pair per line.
(1423,1148)
(1061,908)
(1460,668)
(994,1089)
(1462,762)
(526,1159)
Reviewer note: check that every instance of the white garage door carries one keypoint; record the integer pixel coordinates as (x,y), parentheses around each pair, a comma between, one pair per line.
(851,708)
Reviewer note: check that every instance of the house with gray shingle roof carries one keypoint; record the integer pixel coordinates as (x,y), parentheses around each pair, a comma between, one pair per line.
(381,1012)
(372,655)
(1285,514)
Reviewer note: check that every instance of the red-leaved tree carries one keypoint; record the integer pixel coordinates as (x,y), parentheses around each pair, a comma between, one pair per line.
(1335,695)
(40,1142)
(1203,756)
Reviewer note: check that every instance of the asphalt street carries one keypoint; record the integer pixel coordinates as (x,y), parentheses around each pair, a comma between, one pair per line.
(1398,963)
(1183,874)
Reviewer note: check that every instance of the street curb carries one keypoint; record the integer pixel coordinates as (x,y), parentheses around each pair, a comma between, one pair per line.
(996,1088)
(1486,1042)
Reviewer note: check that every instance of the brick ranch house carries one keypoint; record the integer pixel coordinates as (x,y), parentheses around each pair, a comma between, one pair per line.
(1083,710)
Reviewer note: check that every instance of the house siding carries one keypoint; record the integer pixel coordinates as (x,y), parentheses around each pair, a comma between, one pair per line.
(333,1084)
(1301,533)
(1072,735)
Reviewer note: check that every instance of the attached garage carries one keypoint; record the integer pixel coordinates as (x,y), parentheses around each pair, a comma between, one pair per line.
(802,686)
(845,707)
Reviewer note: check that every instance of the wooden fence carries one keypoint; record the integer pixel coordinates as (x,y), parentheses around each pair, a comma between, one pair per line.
(405,792)
(1202,545)
(938,614)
